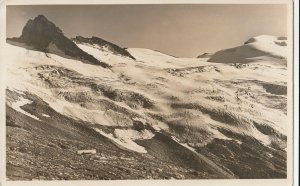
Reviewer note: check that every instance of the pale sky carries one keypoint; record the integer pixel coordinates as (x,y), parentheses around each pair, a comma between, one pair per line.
(179,30)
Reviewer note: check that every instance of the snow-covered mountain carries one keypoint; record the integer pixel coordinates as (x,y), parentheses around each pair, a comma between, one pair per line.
(102,44)
(148,115)
(260,48)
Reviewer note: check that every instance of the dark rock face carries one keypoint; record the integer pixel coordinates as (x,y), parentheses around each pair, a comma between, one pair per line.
(40,33)
(204,55)
(248,159)
(101,42)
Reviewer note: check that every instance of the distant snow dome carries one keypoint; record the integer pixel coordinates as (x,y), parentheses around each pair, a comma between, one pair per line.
(263,46)
(268,39)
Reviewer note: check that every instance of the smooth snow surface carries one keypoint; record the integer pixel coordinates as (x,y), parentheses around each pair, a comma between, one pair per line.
(17,106)
(123,142)
(270,44)
(260,48)
(46,115)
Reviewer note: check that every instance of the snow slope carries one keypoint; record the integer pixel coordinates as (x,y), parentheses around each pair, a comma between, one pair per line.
(189,85)
(257,48)
(199,103)
(17,106)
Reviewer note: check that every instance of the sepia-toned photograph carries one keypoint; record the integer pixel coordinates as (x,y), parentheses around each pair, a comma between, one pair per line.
(147,91)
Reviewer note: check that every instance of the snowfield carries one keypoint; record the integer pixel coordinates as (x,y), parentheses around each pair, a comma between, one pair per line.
(17,106)
(235,99)
(259,48)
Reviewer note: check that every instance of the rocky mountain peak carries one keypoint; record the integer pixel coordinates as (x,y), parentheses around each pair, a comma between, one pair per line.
(43,35)
(39,32)
(42,18)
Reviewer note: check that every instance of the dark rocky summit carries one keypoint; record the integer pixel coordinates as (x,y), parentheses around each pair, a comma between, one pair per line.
(43,35)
